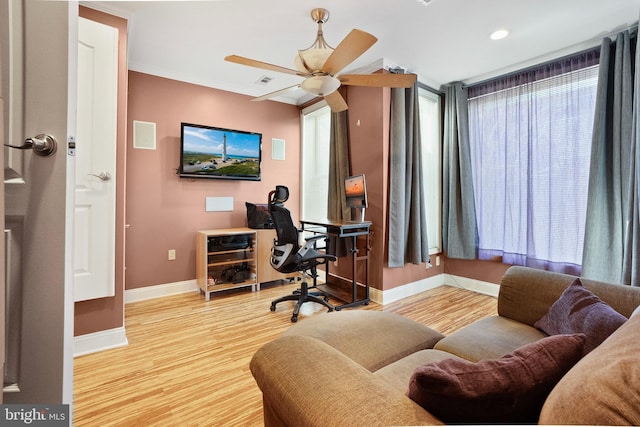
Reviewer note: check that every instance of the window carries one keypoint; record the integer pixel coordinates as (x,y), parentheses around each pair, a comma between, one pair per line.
(429,104)
(530,148)
(316,125)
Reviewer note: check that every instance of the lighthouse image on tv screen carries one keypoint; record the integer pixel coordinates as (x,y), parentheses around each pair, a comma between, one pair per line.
(211,152)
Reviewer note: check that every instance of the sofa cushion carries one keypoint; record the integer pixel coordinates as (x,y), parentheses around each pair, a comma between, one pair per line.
(578,310)
(489,338)
(371,338)
(510,389)
(398,373)
(604,387)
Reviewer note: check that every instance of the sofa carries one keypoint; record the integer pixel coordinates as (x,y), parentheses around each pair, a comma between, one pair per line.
(355,367)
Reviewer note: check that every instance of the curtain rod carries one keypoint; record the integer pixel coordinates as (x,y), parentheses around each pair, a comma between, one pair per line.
(430,89)
(400,70)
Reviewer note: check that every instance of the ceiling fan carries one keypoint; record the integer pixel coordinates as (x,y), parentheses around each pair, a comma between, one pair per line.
(320,64)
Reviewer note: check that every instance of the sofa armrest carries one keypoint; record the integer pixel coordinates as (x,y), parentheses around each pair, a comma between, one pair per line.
(526,294)
(306,382)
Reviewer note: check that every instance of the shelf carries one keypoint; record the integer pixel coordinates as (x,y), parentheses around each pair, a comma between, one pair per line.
(253,258)
(223,286)
(213,264)
(231,251)
(223,255)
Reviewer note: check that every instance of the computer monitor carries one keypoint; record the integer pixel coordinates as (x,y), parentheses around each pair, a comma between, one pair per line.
(355,190)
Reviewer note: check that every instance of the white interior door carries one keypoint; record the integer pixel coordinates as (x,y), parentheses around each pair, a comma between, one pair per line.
(94,241)
(35,40)
(2,248)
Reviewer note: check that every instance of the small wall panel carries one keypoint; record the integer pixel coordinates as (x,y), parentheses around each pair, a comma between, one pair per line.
(144,135)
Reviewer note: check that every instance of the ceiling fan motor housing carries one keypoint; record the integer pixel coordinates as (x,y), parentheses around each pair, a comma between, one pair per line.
(320,15)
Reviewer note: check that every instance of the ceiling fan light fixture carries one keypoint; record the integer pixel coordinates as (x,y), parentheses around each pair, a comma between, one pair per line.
(311,59)
(320,85)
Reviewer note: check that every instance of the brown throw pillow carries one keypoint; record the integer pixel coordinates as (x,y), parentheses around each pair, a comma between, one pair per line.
(580,311)
(511,389)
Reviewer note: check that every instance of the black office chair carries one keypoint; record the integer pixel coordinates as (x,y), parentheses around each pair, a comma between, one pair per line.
(287,256)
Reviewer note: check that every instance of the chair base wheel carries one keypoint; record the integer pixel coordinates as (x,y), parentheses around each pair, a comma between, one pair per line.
(301,296)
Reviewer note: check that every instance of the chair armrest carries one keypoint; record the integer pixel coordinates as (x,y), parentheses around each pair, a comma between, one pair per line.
(306,382)
(316,237)
(309,245)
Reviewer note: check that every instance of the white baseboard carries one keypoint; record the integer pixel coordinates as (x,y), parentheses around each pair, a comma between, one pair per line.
(474,285)
(404,291)
(158,291)
(99,341)
(414,288)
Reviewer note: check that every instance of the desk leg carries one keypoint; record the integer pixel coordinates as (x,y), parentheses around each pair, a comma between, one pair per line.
(354,282)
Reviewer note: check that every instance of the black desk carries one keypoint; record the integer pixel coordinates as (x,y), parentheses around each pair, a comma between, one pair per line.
(346,230)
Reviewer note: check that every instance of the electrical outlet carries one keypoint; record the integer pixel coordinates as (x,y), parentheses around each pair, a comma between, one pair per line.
(172,254)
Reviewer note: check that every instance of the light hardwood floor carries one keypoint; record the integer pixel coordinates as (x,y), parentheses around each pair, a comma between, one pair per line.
(187,362)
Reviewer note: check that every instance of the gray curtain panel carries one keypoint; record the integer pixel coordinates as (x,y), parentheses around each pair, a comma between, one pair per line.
(407,218)
(459,228)
(339,167)
(611,233)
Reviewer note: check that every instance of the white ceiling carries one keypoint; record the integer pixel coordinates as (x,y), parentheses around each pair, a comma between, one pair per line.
(444,41)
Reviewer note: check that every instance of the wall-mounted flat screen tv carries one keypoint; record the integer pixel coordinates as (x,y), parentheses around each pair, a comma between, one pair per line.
(212,152)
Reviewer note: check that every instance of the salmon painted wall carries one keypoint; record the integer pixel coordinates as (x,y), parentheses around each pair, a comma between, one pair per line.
(165,211)
(108,313)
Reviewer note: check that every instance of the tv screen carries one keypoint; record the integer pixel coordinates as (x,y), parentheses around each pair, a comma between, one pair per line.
(211,152)
(355,191)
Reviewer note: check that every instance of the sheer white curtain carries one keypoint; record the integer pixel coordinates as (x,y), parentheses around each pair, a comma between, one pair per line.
(316,129)
(530,138)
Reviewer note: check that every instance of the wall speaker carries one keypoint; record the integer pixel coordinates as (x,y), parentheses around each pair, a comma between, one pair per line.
(144,135)
(277,149)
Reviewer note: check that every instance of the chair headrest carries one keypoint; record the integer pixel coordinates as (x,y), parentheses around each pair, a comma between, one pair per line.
(280,194)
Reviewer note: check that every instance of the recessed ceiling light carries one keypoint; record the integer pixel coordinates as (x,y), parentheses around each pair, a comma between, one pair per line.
(499,34)
(424,2)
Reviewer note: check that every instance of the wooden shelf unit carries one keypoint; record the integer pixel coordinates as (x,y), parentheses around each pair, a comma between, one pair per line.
(226,259)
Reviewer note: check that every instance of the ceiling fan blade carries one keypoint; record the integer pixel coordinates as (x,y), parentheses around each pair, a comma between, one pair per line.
(336,102)
(378,80)
(276,93)
(264,65)
(350,48)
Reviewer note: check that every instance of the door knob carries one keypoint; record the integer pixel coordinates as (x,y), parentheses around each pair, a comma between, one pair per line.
(43,145)
(103,176)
